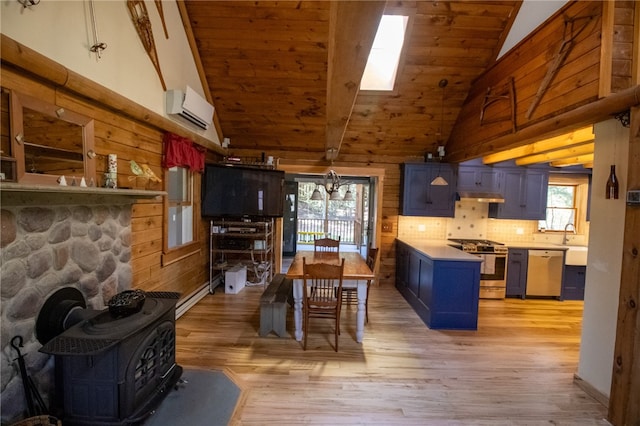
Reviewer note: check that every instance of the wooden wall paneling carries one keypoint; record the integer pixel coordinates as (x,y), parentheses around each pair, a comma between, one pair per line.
(606,52)
(622,46)
(5,137)
(21,82)
(528,64)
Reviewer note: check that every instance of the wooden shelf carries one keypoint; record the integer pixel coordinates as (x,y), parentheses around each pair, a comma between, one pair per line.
(20,194)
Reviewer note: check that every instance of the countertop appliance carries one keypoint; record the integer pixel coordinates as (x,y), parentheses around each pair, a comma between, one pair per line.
(544,273)
(493,270)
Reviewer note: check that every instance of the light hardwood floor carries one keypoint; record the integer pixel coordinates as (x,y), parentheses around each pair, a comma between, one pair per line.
(517,369)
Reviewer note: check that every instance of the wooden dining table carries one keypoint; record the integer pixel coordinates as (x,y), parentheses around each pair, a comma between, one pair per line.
(356,270)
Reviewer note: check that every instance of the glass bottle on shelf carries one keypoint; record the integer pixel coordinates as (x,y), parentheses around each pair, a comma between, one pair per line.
(612,184)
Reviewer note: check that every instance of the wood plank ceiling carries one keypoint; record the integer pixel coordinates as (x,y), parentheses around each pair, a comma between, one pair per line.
(267,66)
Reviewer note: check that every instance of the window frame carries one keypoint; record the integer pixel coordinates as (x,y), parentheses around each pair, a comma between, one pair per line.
(403,52)
(174,254)
(580,200)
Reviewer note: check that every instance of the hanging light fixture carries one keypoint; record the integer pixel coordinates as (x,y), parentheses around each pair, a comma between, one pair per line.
(439,180)
(348,196)
(332,185)
(316,195)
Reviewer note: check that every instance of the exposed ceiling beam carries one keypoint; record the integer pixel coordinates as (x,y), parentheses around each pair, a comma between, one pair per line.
(558,154)
(574,161)
(576,137)
(353,27)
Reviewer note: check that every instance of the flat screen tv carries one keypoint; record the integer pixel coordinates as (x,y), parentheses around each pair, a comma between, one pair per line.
(235,191)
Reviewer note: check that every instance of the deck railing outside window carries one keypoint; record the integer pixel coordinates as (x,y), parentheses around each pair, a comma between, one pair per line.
(308,228)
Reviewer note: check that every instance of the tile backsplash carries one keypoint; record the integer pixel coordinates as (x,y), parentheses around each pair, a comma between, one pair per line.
(471,221)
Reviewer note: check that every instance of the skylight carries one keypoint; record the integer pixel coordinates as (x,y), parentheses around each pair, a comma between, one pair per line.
(382,65)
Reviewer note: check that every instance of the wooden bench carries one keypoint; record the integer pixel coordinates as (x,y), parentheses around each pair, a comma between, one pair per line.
(273,306)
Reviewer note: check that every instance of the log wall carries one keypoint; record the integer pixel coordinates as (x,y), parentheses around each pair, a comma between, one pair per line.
(135,140)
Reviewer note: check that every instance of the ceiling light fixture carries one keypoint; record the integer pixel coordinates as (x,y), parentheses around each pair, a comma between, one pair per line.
(439,180)
(332,184)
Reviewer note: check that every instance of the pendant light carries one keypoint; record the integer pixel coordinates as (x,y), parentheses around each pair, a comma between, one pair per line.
(332,186)
(348,196)
(316,195)
(439,180)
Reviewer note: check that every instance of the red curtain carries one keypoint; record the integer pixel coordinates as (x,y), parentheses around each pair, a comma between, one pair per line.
(182,152)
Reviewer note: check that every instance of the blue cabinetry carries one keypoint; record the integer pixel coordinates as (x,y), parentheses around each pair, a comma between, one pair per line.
(525,194)
(443,293)
(420,198)
(517,273)
(573,282)
(477,178)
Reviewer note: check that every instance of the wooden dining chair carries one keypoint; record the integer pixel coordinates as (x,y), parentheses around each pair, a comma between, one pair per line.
(326,244)
(322,294)
(350,293)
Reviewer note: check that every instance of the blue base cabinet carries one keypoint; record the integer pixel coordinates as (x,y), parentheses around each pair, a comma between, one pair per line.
(517,273)
(573,282)
(443,293)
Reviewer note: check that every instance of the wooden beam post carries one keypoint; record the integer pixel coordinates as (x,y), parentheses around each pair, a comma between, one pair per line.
(352,30)
(624,400)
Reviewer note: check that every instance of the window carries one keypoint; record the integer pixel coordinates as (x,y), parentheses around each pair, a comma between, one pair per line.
(384,58)
(561,207)
(566,203)
(180,210)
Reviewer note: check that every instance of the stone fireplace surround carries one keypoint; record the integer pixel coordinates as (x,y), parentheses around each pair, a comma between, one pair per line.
(49,241)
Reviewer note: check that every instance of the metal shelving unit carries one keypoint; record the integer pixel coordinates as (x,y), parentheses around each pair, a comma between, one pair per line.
(241,242)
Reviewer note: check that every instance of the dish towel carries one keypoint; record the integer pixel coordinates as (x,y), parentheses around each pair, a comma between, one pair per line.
(489,264)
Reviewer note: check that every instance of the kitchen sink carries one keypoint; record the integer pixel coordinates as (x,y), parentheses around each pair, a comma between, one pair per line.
(576,255)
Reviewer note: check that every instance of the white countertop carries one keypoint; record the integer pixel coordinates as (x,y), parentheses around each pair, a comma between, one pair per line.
(537,246)
(439,250)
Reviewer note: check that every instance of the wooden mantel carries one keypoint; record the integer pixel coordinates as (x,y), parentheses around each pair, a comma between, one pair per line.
(14,194)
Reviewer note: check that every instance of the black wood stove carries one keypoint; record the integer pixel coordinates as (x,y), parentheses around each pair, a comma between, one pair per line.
(113,367)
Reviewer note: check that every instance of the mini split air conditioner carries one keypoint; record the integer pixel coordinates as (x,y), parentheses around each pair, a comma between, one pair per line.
(190,106)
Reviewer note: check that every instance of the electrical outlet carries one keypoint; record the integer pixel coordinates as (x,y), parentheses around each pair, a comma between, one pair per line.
(387,227)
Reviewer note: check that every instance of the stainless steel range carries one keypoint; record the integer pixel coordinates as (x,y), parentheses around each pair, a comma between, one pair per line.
(493,270)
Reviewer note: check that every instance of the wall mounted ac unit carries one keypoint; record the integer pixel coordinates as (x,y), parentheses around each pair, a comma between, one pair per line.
(190,106)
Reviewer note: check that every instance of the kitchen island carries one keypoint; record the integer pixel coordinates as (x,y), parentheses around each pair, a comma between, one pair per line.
(440,283)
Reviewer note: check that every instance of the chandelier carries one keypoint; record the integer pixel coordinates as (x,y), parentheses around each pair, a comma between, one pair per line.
(332,184)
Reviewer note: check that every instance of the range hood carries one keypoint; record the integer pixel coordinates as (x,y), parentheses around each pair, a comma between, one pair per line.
(481,197)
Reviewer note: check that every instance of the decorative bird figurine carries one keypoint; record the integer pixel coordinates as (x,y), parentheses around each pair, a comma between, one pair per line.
(144,171)
(149,174)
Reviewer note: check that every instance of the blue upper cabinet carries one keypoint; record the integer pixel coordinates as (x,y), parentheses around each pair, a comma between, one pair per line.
(477,178)
(525,194)
(420,198)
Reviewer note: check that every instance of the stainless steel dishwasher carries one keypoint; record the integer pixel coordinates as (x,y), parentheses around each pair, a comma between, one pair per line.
(544,273)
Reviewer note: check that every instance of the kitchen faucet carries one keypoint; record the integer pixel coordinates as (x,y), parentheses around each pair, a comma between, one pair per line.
(564,237)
